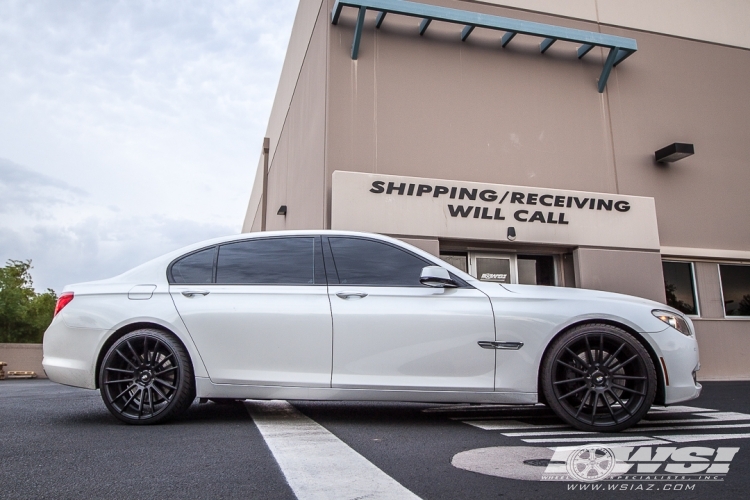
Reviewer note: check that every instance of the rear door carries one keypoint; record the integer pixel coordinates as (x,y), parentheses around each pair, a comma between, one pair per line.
(258,311)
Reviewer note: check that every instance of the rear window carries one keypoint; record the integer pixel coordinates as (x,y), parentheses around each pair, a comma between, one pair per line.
(273,261)
(195,268)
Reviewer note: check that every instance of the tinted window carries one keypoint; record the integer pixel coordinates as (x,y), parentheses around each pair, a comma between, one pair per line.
(735,285)
(368,262)
(678,284)
(195,268)
(273,261)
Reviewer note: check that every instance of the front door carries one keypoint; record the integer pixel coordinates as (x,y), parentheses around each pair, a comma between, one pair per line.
(391,332)
(258,311)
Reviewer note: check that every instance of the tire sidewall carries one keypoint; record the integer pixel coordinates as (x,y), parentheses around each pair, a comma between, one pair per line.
(185,384)
(575,334)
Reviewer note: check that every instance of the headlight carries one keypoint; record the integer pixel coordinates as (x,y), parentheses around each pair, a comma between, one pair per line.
(674,320)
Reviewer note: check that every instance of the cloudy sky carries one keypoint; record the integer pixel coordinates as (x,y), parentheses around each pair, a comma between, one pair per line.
(130,128)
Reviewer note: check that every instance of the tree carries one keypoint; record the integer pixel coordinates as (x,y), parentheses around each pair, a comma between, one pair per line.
(744,306)
(674,302)
(24,314)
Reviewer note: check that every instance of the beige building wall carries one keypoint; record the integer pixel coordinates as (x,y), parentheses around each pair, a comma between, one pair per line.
(253,215)
(718,21)
(724,349)
(675,90)
(434,107)
(22,358)
(296,163)
(628,272)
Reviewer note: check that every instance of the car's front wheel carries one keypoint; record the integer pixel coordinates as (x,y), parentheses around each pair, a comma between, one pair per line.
(598,377)
(146,377)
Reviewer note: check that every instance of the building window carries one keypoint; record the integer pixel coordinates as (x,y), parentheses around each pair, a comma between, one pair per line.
(679,286)
(735,287)
(536,270)
(456,259)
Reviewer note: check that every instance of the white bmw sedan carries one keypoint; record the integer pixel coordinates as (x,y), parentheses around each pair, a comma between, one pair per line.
(354,316)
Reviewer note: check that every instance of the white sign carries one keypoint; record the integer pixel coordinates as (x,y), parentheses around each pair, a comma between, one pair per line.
(413,206)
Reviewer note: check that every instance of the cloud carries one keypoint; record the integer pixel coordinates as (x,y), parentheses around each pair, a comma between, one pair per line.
(130,128)
(98,247)
(25,190)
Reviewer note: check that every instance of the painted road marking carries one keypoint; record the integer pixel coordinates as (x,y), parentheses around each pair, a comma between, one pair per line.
(632,429)
(503,425)
(586,439)
(494,424)
(511,461)
(679,409)
(484,407)
(317,464)
(679,438)
(703,417)
(697,419)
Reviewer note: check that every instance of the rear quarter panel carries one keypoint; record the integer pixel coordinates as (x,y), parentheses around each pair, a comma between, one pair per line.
(99,311)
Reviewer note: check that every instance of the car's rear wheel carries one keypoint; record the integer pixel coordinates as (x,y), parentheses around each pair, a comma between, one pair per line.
(598,377)
(146,377)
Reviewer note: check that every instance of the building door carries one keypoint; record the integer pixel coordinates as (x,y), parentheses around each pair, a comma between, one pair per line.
(495,267)
(508,268)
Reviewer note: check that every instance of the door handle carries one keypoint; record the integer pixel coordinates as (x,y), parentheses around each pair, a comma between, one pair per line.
(191,293)
(508,346)
(346,295)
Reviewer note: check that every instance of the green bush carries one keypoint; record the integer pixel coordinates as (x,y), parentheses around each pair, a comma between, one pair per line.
(24,314)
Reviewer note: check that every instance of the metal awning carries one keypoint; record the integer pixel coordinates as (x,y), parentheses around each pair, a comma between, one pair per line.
(619,47)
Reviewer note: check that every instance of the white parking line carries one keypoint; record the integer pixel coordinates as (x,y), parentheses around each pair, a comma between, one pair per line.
(510,425)
(646,425)
(678,409)
(632,429)
(317,464)
(678,438)
(587,439)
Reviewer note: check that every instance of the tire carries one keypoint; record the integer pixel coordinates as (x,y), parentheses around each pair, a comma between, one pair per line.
(146,377)
(599,378)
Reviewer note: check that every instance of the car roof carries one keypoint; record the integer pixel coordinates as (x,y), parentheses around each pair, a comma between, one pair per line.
(155,269)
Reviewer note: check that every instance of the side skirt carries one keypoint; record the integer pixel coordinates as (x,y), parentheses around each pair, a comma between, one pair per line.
(207,389)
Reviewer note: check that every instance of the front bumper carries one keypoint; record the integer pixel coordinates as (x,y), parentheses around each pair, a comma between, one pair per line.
(680,361)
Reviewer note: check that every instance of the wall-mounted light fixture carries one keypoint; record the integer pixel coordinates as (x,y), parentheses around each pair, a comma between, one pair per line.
(511,234)
(282,210)
(674,152)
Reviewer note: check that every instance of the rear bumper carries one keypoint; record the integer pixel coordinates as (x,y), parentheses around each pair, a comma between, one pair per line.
(70,354)
(66,372)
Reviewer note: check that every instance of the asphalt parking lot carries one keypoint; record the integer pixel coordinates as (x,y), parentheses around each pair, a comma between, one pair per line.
(60,442)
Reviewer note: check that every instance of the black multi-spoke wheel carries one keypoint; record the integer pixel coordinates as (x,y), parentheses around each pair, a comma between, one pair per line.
(598,378)
(146,377)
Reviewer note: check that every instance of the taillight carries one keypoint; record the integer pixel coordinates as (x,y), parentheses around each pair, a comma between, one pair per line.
(63,301)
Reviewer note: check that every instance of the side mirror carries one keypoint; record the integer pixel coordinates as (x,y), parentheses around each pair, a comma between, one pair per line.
(436,277)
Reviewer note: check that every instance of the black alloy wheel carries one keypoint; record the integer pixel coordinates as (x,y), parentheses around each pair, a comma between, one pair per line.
(598,378)
(146,377)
